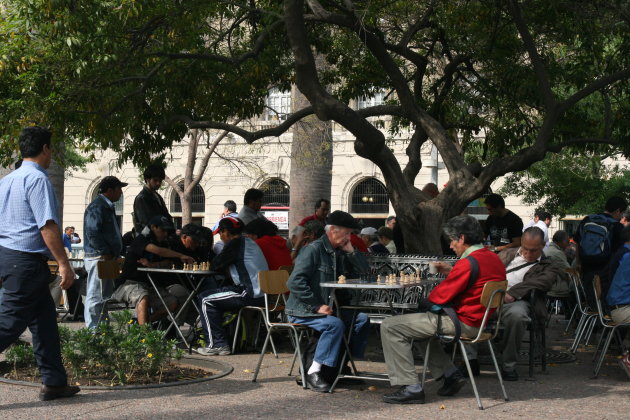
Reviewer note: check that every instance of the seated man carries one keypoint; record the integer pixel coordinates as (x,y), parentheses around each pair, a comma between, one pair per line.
(386,238)
(618,297)
(265,233)
(195,241)
(398,332)
(527,269)
(243,259)
(312,230)
(322,261)
(369,237)
(150,249)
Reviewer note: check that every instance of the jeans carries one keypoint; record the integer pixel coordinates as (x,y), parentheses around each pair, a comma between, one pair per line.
(97,291)
(332,330)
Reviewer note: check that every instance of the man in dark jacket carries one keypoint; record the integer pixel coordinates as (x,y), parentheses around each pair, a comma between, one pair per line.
(103,241)
(322,261)
(148,202)
(527,269)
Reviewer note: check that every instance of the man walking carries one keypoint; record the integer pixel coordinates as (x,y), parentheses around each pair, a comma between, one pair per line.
(30,234)
(103,242)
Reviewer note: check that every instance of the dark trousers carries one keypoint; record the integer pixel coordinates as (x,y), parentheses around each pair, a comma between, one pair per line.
(27,303)
(214,302)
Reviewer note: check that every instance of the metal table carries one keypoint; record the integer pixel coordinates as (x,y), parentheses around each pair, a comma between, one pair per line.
(190,283)
(358,284)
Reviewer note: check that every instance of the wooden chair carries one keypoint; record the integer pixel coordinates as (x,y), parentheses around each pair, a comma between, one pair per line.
(491,298)
(276,307)
(609,327)
(110,270)
(274,286)
(287,268)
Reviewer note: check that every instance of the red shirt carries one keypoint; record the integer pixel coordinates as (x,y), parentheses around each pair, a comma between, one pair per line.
(309,218)
(275,250)
(468,308)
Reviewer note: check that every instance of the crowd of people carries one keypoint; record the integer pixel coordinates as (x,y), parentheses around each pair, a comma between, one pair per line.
(324,246)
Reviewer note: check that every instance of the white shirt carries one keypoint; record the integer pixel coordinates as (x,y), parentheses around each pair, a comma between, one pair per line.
(543,226)
(516,277)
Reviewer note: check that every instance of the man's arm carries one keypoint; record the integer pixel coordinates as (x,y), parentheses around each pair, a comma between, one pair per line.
(516,242)
(168,253)
(50,233)
(299,283)
(540,277)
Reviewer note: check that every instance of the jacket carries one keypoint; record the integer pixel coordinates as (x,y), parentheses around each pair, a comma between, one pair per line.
(100,229)
(275,250)
(146,205)
(453,290)
(319,262)
(540,276)
(560,287)
(243,259)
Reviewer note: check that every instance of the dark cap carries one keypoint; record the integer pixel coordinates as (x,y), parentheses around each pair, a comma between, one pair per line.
(110,182)
(386,232)
(199,234)
(343,219)
(162,222)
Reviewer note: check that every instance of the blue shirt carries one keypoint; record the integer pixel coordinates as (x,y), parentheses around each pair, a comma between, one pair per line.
(27,203)
(619,292)
(67,242)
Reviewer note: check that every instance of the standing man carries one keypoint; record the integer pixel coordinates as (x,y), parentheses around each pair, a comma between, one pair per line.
(29,235)
(390,222)
(149,203)
(252,203)
(103,242)
(67,237)
(503,227)
(322,208)
(229,209)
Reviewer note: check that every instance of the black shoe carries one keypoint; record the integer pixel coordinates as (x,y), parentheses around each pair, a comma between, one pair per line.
(509,375)
(317,383)
(404,396)
(474,366)
(452,384)
(48,393)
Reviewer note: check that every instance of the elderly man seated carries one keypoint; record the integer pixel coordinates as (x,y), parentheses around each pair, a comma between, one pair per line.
(398,332)
(322,261)
(369,236)
(150,249)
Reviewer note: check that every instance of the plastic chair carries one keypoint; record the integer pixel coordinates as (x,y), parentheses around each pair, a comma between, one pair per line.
(274,286)
(110,270)
(277,307)
(609,327)
(491,298)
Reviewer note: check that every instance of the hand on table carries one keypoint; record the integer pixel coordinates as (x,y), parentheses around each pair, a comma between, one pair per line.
(443,267)
(187,260)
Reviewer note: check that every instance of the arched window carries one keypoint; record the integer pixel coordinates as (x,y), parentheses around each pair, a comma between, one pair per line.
(118,205)
(197,205)
(276,192)
(369,196)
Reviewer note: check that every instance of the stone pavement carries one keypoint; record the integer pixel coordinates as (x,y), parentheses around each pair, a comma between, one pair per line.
(566,392)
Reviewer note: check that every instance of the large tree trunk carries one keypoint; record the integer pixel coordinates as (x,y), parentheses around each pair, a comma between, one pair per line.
(56,173)
(311,161)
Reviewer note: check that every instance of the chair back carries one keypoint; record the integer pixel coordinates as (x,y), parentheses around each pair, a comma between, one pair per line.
(578,288)
(491,298)
(597,288)
(273,283)
(110,269)
(287,268)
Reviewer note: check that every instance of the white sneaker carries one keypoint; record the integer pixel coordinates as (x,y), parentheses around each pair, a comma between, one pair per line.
(214,351)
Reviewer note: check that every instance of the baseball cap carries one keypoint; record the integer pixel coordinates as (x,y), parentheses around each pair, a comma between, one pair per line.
(162,222)
(110,182)
(343,219)
(199,234)
(368,231)
(229,222)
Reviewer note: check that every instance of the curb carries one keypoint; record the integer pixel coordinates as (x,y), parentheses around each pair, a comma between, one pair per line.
(224,368)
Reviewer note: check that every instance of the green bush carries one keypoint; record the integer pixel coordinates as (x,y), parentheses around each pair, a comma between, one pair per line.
(120,351)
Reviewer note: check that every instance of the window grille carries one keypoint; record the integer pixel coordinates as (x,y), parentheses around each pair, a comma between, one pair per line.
(278,105)
(369,196)
(367,101)
(198,200)
(276,192)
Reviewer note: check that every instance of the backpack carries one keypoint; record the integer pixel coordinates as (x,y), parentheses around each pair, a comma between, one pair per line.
(596,238)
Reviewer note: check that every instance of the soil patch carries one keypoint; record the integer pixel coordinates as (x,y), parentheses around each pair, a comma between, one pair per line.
(173,373)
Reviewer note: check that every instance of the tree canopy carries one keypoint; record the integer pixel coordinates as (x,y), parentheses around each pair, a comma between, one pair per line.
(494,85)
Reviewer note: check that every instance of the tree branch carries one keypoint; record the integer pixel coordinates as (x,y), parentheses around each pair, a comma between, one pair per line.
(598,84)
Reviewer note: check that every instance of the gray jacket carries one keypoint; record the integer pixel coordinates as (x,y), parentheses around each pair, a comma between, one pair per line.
(101,232)
(319,262)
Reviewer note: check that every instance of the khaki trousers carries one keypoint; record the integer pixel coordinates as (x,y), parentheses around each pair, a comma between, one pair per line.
(397,333)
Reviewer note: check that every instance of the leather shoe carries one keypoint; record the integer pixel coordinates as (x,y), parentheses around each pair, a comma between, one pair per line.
(509,375)
(474,366)
(452,384)
(404,396)
(316,383)
(48,393)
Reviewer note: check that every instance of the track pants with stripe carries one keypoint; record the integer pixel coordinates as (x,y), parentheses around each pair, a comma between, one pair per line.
(214,302)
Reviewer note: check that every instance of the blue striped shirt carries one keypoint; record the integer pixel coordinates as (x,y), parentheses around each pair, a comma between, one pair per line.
(27,203)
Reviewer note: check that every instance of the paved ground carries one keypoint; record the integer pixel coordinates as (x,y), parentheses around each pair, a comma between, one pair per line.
(567,391)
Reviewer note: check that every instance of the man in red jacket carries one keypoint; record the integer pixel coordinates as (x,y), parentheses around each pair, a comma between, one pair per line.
(273,247)
(398,332)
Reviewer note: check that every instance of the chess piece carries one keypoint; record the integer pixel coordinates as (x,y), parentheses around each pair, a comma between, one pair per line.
(342,279)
